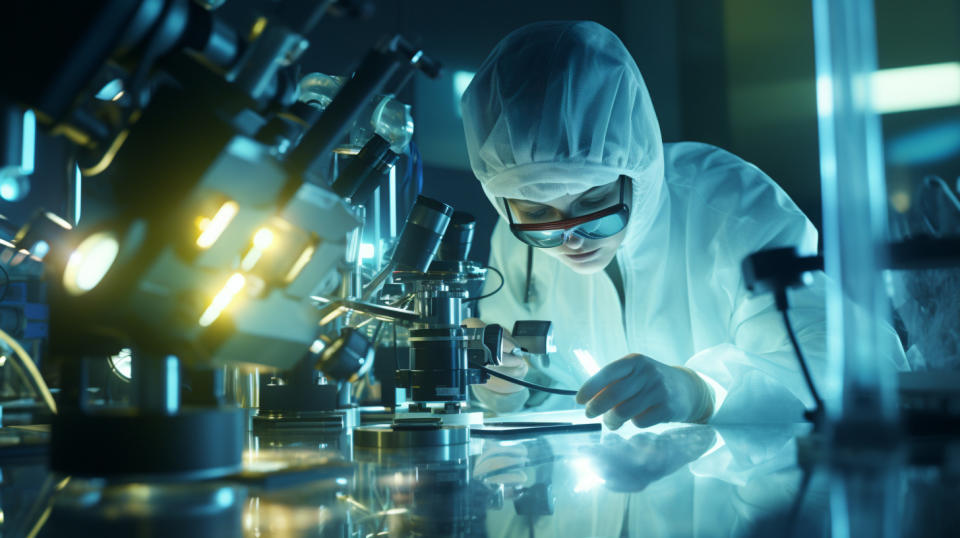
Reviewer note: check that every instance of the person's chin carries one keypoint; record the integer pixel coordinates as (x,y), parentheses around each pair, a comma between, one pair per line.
(587,262)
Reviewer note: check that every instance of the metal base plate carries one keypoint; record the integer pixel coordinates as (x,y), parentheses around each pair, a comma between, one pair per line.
(326,421)
(192,444)
(389,437)
(474,418)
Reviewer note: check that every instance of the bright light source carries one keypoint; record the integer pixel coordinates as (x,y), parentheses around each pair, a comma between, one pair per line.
(301,262)
(317,346)
(233,286)
(14,188)
(122,363)
(366,251)
(587,361)
(261,241)
(263,238)
(587,477)
(3,361)
(216,226)
(918,87)
(89,263)
(40,249)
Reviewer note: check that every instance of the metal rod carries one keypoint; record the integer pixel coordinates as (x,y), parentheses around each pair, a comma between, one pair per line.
(862,416)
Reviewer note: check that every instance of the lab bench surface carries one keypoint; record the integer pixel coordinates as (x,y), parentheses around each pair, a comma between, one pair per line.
(673,480)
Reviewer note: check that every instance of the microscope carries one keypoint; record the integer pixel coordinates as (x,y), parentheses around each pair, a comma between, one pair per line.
(218,221)
(428,298)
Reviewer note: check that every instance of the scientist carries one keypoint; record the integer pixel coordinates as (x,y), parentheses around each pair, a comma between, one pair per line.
(632,247)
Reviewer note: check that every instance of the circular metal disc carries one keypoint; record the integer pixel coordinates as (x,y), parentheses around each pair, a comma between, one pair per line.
(388,437)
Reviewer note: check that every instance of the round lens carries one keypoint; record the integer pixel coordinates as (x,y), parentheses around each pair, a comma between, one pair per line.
(90,262)
(541,239)
(603,227)
(122,364)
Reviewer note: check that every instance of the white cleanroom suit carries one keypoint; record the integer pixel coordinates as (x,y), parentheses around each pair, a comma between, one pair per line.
(560,107)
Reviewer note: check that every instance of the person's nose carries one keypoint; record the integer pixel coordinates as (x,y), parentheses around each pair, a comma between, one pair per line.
(573,241)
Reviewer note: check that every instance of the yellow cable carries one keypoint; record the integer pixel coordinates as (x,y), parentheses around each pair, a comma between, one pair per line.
(40,522)
(27,363)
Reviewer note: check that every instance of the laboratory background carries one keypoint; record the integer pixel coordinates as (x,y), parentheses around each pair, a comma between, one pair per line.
(244,256)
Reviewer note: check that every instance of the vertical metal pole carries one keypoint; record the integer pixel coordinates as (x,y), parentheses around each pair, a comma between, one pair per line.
(377,229)
(392,201)
(157,381)
(77,194)
(861,404)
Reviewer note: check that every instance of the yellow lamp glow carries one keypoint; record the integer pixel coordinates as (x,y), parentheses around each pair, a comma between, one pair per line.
(214,229)
(261,241)
(220,302)
(301,262)
(89,263)
(263,238)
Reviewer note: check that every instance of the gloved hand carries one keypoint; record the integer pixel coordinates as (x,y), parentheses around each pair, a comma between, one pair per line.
(646,392)
(510,364)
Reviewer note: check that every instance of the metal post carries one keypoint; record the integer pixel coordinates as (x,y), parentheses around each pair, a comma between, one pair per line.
(392,202)
(157,381)
(377,233)
(861,405)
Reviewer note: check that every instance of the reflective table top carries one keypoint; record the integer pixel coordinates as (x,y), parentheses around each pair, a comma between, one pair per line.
(672,480)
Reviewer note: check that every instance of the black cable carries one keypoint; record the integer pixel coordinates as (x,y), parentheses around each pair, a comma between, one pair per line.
(492,293)
(818,409)
(527,384)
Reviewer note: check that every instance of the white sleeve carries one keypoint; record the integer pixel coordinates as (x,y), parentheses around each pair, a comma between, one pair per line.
(757,366)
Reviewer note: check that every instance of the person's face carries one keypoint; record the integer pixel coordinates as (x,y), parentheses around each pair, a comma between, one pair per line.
(584,256)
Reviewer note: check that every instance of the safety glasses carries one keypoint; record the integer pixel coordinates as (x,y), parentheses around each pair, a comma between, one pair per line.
(597,225)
